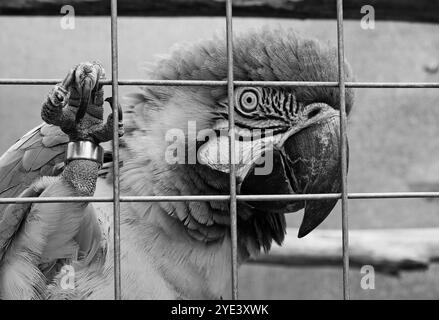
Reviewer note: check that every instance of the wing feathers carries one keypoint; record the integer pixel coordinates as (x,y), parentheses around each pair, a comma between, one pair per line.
(38,153)
(35,158)
(12,218)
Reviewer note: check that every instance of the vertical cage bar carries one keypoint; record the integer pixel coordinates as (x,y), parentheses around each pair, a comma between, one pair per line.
(343,148)
(232,203)
(116,172)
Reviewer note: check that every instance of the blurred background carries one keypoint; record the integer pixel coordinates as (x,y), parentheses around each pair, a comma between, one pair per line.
(393,133)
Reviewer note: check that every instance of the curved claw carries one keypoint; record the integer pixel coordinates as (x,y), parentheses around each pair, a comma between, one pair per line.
(86,88)
(119,108)
(87,76)
(60,93)
(67,82)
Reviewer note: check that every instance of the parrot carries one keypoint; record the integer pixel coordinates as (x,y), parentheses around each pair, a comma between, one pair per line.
(174,141)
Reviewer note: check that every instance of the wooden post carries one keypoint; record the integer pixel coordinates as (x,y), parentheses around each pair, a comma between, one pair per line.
(387,250)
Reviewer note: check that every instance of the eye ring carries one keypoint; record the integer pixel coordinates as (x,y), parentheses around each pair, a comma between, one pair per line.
(248,100)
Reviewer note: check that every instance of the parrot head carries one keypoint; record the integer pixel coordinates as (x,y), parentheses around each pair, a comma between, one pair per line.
(287,139)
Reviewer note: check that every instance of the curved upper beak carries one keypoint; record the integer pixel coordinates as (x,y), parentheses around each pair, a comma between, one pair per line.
(307,161)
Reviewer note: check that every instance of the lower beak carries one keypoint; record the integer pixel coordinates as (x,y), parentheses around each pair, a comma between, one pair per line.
(308,162)
(86,90)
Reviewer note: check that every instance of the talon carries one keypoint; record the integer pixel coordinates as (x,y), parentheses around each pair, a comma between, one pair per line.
(119,108)
(86,88)
(87,78)
(67,82)
(59,96)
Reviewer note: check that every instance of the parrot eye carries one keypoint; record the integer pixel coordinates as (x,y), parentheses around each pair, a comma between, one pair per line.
(248,99)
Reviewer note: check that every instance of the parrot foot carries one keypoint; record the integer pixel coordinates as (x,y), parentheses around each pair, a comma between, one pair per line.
(83,83)
(79,89)
(52,109)
(59,96)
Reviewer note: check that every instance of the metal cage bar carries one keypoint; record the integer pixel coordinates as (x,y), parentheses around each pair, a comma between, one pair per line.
(267,197)
(214,83)
(343,150)
(232,198)
(232,168)
(116,171)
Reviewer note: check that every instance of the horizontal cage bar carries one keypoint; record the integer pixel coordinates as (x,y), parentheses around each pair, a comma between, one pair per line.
(212,83)
(267,197)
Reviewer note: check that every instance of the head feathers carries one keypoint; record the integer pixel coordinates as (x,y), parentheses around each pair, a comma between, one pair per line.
(265,55)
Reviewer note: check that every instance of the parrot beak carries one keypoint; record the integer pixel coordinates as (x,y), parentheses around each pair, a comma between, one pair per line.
(306,162)
(315,161)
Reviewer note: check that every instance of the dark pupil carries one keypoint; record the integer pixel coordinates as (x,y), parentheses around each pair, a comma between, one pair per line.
(249,99)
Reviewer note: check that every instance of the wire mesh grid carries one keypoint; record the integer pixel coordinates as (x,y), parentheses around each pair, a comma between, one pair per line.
(232,198)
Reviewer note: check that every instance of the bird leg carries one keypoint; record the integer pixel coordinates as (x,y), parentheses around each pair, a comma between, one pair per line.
(76,106)
(27,258)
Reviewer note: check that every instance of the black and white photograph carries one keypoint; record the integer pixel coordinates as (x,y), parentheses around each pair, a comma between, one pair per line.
(240,151)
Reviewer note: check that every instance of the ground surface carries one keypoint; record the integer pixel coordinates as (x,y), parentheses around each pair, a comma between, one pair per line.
(393,133)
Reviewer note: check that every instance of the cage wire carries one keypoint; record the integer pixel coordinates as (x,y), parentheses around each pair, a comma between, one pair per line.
(232,198)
